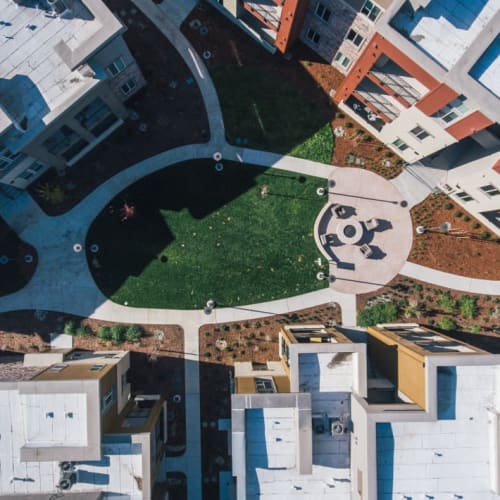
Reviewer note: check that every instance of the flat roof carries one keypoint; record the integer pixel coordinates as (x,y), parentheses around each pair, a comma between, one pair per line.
(487,68)
(38,54)
(270,459)
(445,29)
(53,420)
(450,455)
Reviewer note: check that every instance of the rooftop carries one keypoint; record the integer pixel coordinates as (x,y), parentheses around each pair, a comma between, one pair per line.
(42,44)
(487,68)
(13,369)
(445,29)
(447,458)
(271,471)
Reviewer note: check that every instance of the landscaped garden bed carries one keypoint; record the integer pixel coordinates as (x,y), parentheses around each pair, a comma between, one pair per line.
(282,105)
(18,260)
(408,300)
(253,340)
(169,112)
(468,248)
(157,364)
(239,236)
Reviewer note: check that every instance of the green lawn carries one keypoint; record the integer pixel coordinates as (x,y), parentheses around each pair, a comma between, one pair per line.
(264,111)
(199,234)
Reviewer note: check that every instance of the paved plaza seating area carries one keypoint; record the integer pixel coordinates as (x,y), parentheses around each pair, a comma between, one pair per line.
(364,231)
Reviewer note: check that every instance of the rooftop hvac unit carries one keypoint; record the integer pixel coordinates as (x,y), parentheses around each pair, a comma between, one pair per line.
(66,466)
(337,427)
(67,480)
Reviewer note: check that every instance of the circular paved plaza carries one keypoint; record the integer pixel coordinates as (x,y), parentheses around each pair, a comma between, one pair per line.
(364,230)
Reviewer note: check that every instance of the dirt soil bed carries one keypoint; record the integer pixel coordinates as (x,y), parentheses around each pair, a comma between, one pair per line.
(170,105)
(312,76)
(464,250)
(157,364)
(419,302)
(253,340)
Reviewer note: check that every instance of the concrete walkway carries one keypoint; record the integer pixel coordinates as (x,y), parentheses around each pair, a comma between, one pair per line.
(162,21)
(453,281)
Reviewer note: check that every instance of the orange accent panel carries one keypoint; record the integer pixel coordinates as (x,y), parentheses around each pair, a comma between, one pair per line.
(496,167)
(466,126)
(378,46)
(388,90)
(436,99)
(292,16)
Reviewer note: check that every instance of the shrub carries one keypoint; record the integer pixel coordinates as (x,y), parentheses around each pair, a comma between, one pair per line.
(104,333)
(338,114)
(447,302)
(475,225)
(475,329)
(134,333)
(225,328)
(69,327)
(118,333)
(378,149)
(257,324)
(388,154)
(418,287)
(468,306)
(466,218)
(446,323)
(348,124)
(384,312)
(447,205)
(207,354)
(484,235)
(367,138)
(457,213)
(84,331)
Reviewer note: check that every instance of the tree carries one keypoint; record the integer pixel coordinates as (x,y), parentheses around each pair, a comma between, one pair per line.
(118,333)
(104,333)
(468,306)
(134,333)
(384,312)
(446,323)
(447,302)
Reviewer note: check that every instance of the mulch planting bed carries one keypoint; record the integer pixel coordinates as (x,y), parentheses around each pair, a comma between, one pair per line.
(174,115)
(157,364)
(420,302)
(252,340)
(468,249)
(18,260)
(314,78)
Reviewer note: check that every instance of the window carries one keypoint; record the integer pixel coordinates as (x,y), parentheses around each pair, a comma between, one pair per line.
(452,110)
(128,86)
(60,141)
(313,36)
(370,10)
(354,37)
(96,368)
(490,190)
(419,133)
(401,145)
(322,12)
(96,117)
(117,66)
(342,59)
(57,368)
(8,158)
(26,175)
(107,400)
(465,196)
(264,385)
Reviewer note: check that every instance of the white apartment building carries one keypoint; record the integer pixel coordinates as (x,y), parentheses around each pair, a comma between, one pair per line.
(402,413)
(70,427)
(65,72)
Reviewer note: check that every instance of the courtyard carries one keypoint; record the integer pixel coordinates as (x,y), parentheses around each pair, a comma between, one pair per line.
(240,235)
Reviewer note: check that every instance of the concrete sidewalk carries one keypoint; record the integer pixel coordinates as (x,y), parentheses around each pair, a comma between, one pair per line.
(452,281)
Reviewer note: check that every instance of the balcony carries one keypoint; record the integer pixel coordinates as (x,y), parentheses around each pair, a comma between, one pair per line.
(266,11)
(397,82)
(364,112)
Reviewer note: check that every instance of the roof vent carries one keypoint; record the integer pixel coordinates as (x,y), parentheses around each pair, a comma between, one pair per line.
(337,428)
